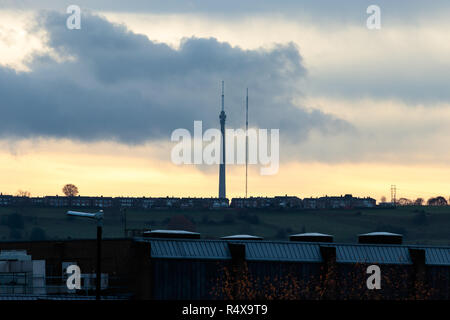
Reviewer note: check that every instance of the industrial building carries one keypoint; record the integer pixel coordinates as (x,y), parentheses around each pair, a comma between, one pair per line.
(177,265)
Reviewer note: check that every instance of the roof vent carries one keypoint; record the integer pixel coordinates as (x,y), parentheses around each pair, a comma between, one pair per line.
(311,237)
(171,234)
(380,238)
(242,237)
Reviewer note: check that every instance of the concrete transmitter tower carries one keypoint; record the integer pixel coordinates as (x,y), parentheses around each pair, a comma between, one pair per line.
(222,117)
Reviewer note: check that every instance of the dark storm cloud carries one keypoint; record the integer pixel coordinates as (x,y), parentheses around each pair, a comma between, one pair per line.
(118,85)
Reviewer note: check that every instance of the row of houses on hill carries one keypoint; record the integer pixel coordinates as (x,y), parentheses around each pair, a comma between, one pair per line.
(278,202)
(341,202)
(116,202)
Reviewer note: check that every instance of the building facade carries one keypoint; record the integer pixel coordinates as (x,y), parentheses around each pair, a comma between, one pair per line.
(190,269)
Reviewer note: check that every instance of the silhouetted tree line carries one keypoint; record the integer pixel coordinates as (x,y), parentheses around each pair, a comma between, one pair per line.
(435,201)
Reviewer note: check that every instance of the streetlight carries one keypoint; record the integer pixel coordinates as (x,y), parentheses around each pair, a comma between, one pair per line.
(99,217)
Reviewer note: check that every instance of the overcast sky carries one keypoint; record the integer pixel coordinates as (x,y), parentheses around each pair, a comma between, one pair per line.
(345,98)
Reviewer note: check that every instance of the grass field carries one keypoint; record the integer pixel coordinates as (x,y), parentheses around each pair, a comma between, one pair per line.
(419,225)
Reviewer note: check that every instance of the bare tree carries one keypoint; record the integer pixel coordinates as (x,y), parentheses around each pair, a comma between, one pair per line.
(438,201)
(23,193)
(404,202)
(70,190)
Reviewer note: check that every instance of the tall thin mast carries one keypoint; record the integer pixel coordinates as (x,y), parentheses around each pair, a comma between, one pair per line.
(222,117)
(246,144)
(223,96)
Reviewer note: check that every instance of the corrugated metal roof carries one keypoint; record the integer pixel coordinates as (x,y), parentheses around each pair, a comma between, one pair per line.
(282,251)
(377,254)
(215,249)
(294,251)
(189,249)
(439,256)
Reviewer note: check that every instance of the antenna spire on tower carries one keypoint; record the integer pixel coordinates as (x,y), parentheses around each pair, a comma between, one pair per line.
(246,144)
(223,95)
